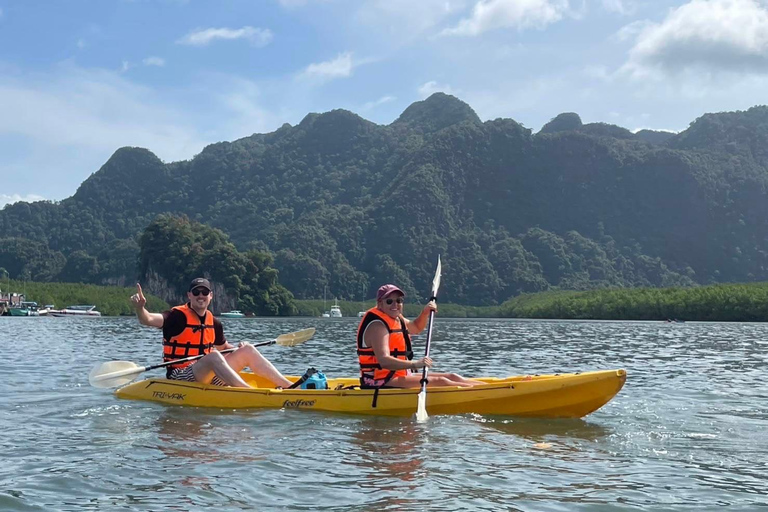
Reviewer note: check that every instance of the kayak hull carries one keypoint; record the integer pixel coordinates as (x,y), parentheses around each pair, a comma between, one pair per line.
(571,395)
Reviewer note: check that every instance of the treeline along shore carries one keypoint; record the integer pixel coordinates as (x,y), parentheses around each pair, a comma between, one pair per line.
(720,302)
(109,300)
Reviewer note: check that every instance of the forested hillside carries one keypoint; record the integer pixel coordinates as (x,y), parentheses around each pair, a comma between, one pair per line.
(344,205)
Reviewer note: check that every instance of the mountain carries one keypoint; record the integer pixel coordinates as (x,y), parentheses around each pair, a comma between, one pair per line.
(435,113)
(344,205)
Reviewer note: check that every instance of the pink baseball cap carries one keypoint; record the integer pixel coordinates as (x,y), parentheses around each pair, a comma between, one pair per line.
(387,290)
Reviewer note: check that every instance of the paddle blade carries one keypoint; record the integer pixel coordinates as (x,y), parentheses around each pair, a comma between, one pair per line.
(436,279)
(113,374)
(421,410)
(292,339)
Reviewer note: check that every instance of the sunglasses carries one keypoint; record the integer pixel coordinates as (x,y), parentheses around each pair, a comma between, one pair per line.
(198,291)
(399,300)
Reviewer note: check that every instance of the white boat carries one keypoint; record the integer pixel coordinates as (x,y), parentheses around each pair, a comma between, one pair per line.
(335,310)
(360,314)
(45,310)
(235,313)
(80,310)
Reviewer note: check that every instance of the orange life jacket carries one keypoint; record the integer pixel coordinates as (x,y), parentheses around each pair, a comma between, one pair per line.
(399,347)
(197,338)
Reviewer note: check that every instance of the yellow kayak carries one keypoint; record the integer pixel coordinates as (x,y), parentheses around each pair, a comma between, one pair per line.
(565,395)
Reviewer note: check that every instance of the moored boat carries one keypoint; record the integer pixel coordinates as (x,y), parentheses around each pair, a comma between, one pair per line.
(80,311)
(235,313)
(568,395)
(45,310)
(25,308)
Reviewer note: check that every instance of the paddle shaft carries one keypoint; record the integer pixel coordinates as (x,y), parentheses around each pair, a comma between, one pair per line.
(192,358)
(140,369)
(426,350)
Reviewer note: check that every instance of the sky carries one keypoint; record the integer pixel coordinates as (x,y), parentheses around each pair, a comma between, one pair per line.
(80,79)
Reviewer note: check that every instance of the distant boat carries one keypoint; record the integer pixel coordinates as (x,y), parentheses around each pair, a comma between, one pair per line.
(47,309)
(25,309)
(79,310)
(335,310)
(235,313)
(360,314)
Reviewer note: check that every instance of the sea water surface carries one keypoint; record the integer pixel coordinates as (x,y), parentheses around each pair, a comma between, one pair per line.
(687,432)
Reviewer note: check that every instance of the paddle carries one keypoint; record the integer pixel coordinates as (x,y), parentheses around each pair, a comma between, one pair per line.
(421,410)
(118,373)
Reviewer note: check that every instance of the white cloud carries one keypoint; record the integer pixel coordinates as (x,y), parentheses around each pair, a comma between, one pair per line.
(431,87)
(154,61)
(623,7)
(631,31)
(707,37)
(243,102)
(496,14)
(15,198)
(340,67)
(406,19)
(257,36)
(81,43)
(373,104)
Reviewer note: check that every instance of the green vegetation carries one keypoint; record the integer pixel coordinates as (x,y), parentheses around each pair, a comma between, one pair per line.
(175,250)
(341,204)
(722,302)
(109,300)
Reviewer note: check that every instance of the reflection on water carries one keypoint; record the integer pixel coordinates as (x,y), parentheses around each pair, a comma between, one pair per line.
(542,430)
(389,448)
(686,432)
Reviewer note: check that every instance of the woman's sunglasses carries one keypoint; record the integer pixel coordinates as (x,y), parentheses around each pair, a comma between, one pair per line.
(198,291)
(399,300)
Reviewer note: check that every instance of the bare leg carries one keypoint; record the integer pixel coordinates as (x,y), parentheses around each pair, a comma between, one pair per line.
(455,377)
(247,355)
(435,380)
(213,365)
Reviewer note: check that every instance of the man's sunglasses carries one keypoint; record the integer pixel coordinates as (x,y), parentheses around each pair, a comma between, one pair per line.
(198,291)
(399,300)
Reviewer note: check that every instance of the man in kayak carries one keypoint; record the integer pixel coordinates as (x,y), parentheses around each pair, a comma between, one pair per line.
(191,330)
(384,346)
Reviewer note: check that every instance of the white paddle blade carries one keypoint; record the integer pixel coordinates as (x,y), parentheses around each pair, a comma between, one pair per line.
(292,339)
(113,374)
(436,279)
(421,410)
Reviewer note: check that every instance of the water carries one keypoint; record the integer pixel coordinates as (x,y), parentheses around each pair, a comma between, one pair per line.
(687,432)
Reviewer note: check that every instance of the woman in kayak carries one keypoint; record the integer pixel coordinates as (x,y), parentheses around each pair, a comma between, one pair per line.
(384,346)
(191,330)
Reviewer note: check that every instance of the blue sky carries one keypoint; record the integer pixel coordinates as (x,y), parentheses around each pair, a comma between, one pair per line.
(82,78)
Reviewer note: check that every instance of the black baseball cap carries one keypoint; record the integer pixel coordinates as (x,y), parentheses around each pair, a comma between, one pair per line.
(200,282)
